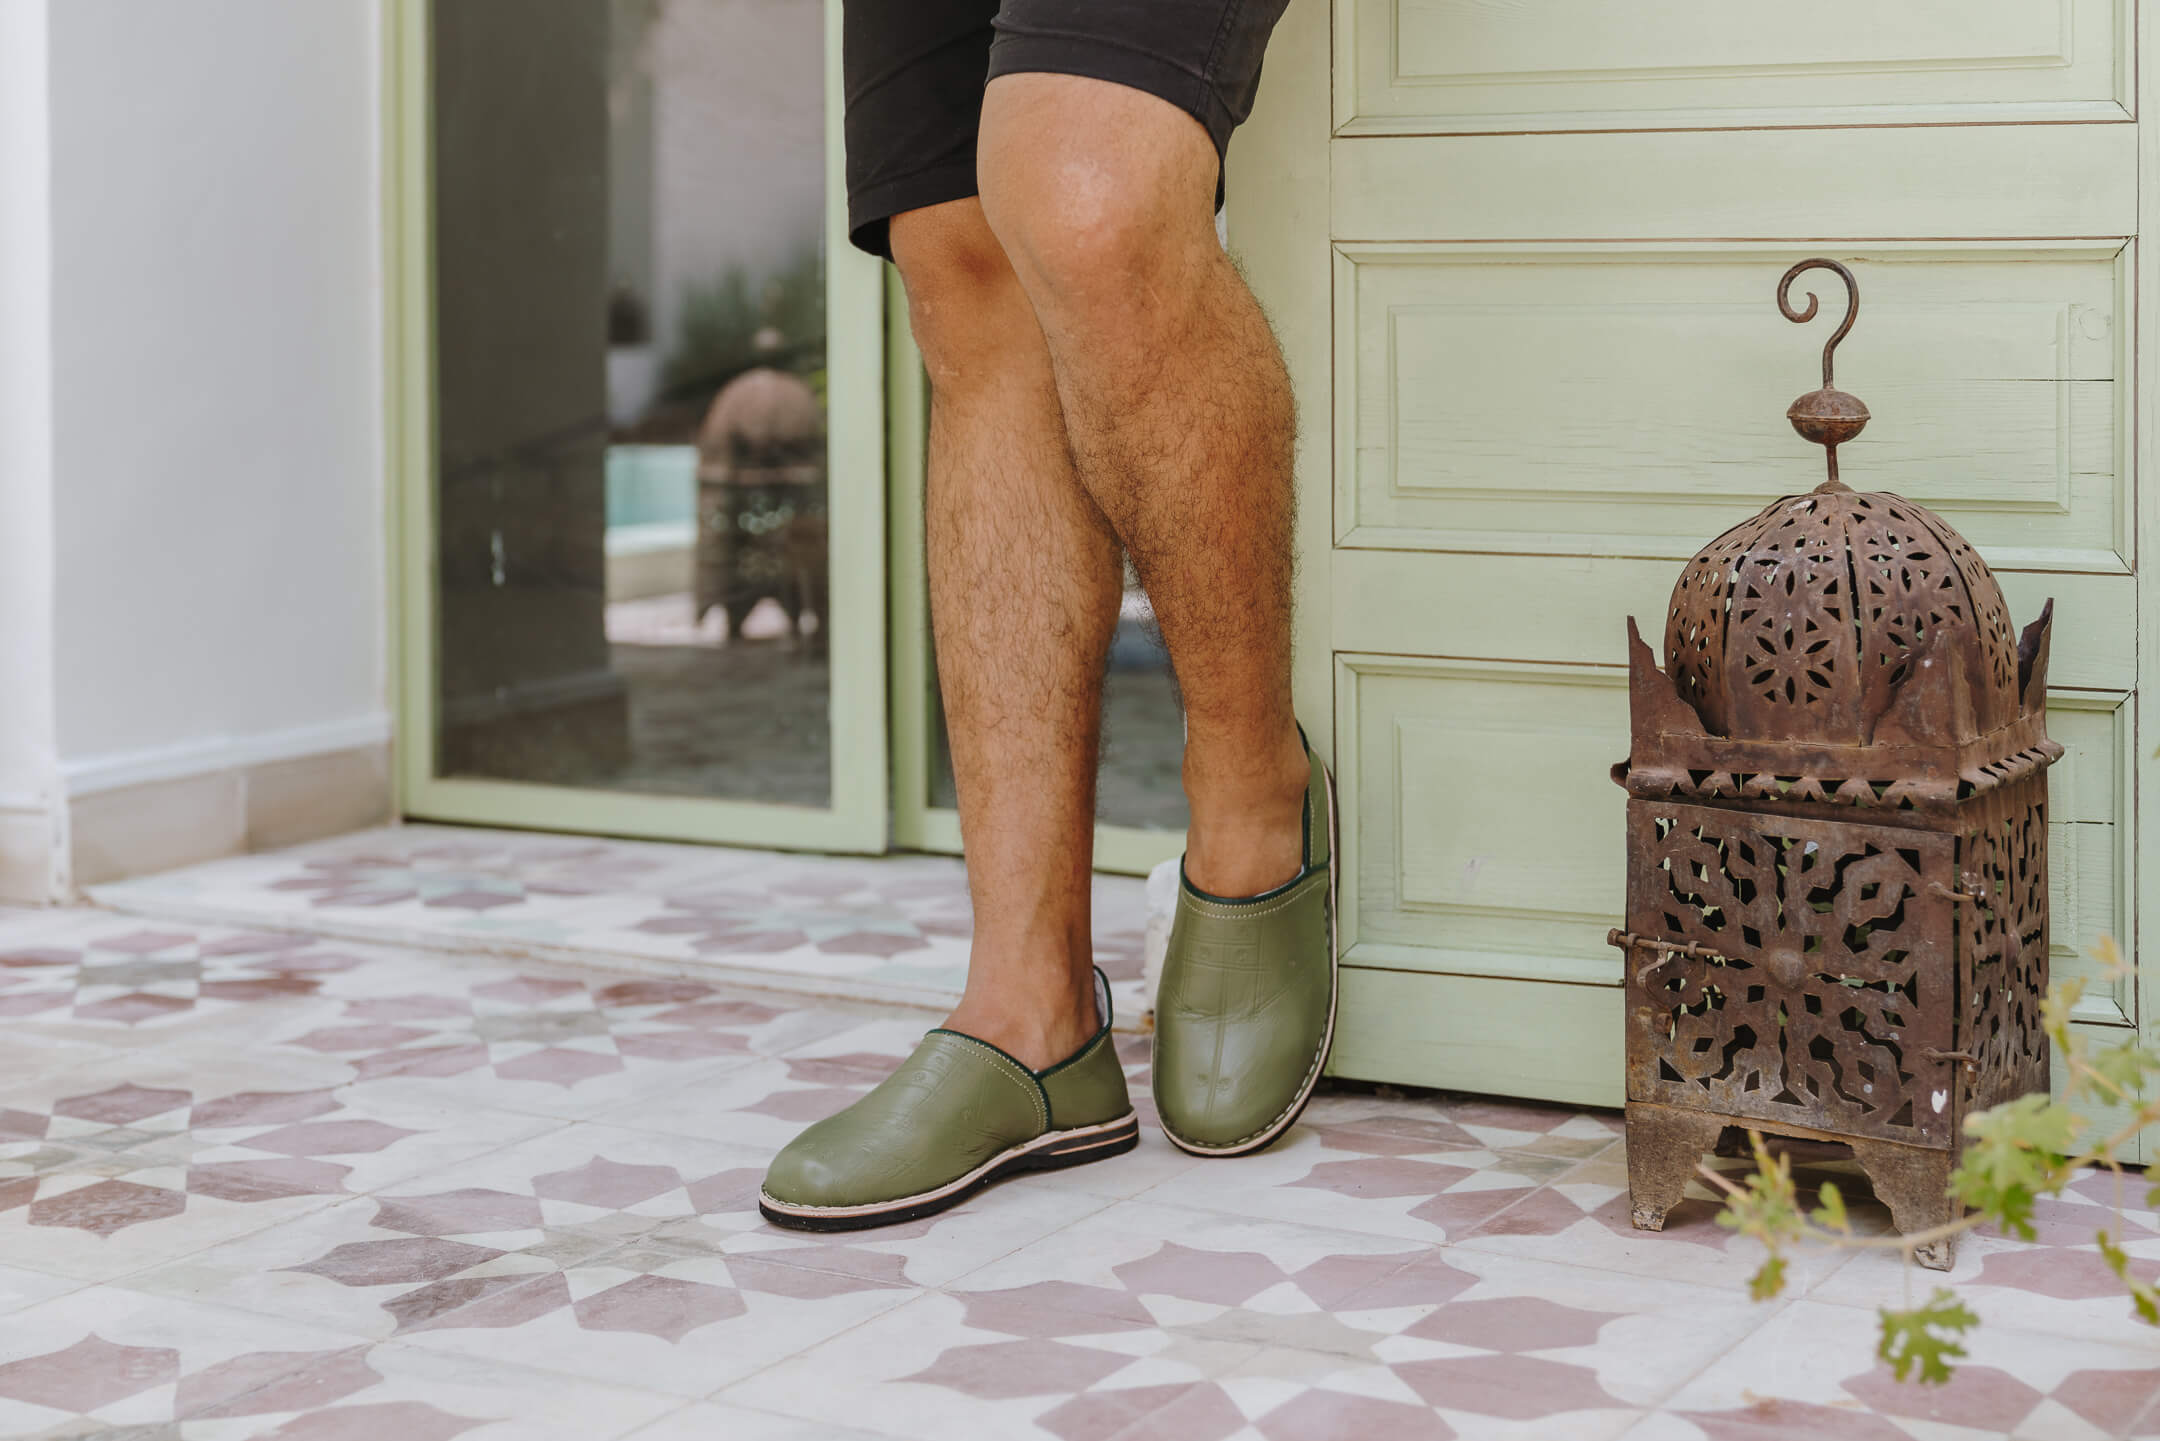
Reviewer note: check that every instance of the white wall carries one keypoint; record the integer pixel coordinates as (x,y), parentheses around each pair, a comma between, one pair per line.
(216,382)
(26,731)
(739,143)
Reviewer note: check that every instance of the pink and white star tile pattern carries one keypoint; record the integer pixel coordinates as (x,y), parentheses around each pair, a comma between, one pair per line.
(891,929)
(261,1183)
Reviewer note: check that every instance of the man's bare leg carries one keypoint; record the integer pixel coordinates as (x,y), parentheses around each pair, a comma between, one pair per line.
(1024,584)
(1177,411)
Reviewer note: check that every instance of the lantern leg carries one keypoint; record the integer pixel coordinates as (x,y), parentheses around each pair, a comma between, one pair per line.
(1664,1146)
(1915,1184)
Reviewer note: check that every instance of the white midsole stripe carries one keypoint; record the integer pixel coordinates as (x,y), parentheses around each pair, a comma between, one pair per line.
(1128,1121)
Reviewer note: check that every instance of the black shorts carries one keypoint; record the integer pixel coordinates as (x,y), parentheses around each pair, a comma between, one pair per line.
(915,71)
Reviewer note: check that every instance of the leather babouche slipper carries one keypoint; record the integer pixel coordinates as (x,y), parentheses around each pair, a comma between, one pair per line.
(1246,1010)
(957,1115)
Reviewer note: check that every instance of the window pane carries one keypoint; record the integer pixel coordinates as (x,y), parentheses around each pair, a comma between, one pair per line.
(631,340)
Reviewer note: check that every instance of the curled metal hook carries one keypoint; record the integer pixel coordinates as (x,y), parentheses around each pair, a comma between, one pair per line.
(1852,305)
(1829,416)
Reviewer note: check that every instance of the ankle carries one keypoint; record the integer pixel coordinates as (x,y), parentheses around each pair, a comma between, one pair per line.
(1247,832)
(1036,1029)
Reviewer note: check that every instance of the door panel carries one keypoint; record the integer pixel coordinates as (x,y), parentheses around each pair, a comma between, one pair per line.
(1656,380)
(1497,1036)
(2091,800)
(1453,770)
(1471,65)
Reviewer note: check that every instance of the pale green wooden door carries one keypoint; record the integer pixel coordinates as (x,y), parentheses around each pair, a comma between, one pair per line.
(1522,258)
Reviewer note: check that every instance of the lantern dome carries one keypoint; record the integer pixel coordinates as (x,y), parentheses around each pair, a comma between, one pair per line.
(1808,621)
(762,419)
(1838,649)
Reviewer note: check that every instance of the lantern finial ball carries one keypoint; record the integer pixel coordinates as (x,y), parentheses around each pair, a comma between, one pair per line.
(1828,417)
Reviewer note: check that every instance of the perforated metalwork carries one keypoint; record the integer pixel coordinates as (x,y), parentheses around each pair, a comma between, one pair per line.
(1802,622)
(1810,993)
(2003,945)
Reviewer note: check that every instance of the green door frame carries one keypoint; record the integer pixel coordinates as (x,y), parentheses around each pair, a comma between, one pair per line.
(857,819)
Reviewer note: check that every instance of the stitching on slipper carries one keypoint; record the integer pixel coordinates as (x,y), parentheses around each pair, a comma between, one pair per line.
(1217,911)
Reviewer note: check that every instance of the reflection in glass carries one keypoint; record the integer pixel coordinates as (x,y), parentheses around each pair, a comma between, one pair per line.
(630,357)
(1140,782)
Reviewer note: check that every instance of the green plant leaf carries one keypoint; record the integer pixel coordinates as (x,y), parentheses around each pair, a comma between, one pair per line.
(1769,1280)
(2062,999)
(2123,1067)
(1767,1205)
(2144,1300)
(1831,1211)
(1924,1339)
(2019,1152)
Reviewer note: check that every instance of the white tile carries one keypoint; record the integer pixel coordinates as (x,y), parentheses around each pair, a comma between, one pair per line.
(86,1255)
(769,1329)
(1030,1310)
(21,1289)
(711,1421)
(863,1372)
(258,1273)
(1303,1181)
(510,1402)
(2104,1315)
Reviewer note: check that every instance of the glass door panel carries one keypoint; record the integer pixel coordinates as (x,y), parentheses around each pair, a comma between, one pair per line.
(650,518)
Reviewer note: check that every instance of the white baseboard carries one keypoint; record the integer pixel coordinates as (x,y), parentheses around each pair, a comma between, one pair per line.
(31,857)
(92,775)
(132,813)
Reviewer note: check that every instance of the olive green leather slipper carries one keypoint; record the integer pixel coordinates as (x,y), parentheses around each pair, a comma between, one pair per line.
(957,1115)
(1245,1013)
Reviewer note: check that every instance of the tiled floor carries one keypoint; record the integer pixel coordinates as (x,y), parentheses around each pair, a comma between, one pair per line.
(260,1184)
(891,929)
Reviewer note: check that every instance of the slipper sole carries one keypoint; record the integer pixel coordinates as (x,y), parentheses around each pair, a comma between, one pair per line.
(1051,1151)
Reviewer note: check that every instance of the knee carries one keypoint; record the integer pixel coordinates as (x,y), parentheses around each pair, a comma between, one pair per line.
(965,305)
(1080,238)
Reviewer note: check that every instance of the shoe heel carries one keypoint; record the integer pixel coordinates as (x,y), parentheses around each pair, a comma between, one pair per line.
(1099,1147)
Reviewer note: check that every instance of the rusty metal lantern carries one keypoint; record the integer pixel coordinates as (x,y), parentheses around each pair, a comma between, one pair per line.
(761,499)
(1837,902)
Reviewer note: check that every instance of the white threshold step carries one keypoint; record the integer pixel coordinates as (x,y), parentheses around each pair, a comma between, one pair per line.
(889,929)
